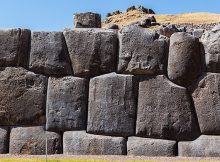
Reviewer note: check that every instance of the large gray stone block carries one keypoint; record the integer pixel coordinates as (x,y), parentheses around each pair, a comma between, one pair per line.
(151,147)
(206,96)
(112,105)
(32,141)
(185,60)
(14,47)
(81,143)
(4,140)
(204,146)
(67,103)
(49,54)
(92,51)
(210,41)
(87,20)
(141,51)
(22,97)
(165,110)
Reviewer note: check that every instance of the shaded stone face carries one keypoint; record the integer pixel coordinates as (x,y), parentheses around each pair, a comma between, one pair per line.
(87,20)
(67,103)
(206,96)
(14,47)
(32,141)
(211,43)
(92,51)
(49,55)
(204,146)
(165,110)
(185,60)
(141,51)
(4,140)
(112,105)
(22,97)
(81,143)
(150,147)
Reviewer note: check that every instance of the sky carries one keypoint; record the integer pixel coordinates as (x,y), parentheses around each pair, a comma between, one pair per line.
(56,15)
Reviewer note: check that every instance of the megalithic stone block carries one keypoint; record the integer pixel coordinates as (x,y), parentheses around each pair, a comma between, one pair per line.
(142,51)
(49,54)
(4,140)
(185,60)
(22,97)
(210,41)
(32,141)
(206,96)
(204,146)
(67,103)
(151,147)
(112,105)
(14,47)
(81,143)
(165,110)
(87,20)
(92,51)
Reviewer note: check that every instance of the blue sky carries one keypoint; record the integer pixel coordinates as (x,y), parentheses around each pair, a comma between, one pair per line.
(55,15)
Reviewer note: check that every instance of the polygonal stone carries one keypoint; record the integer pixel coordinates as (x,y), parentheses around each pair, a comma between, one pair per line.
(4,140)
(32,141)
(49,55)
(66,104)
(206,96)
(22,97)
(184,61)
(150,147)
(92,51)
(210,41)
(204,146)
(165,110)
(142,51)
(87,20)
(112,105)
(198,33)
(14,47)
(81,143)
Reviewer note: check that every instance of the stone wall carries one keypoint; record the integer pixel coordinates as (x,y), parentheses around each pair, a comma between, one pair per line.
(91,91)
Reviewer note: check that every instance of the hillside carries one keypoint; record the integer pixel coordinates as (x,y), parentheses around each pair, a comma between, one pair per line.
(127,18)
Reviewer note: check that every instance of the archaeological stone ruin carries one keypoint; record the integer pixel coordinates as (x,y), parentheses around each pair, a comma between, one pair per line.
(94,91)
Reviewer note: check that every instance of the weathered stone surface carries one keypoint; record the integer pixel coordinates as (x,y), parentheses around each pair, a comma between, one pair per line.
(22,97)
(198,33)
(66,103)
(49,54)
(169,30)
(151,147)
(87,20)
(206,96)
(204,146)
(165,110)
(112,105)
(14,47)
(32,141)
(141,51)
(210,41)
(92,51)
(184,61)
(81,143)
(4,141)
